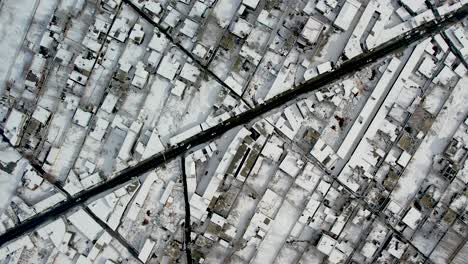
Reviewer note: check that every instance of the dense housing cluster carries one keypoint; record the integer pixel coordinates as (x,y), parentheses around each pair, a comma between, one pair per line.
(369,168)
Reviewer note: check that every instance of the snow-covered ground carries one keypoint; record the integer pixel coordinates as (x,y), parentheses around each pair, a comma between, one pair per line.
(9,180)
(15,18)
(276,236)
(444,127)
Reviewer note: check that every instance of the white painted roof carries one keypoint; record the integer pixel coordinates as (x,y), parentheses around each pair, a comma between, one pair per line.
(99,129)
(137,34)
(312,30)
(154,145)
(251,3)
(81,117)
(324,67)
(109,103)
(185,135)
(41,115)
(412,218)
(347,14)
(167,192)
(153,7)
(168,67)
(14,126)
(326,244)
(91,180)
(190,72)
(415,6)
(146,250)
(189,28)
(179,88)
(427,67)
(158,42)
(291,165)
(85,224)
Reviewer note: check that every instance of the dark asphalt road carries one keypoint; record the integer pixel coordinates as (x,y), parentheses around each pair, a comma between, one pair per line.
(318,82)
(187,226)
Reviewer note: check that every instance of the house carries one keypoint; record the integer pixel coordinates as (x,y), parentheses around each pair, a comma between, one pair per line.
(200,51)
(185,135)
(109,4)
(81,117)
(167,192)
(100,129)
(154,145)
(427,67)
(143,192)
(272,151)
(258,226)
(85,224)
(153,8)
(414,6)
(19,244)
(90,41)
(251,3)
(347,14)
(396,247)
(63,56)
(404,159)
(84,62)
(326,244)
(291,165)
(168,67)
(368,112)
(36,69)
(137,34)
(412,218)
(77,77)
(99,246)
(189,72)
(198,206)
(179,88)
(189,28)
(446,76)
(154,59)
(241,28)
(109,103)
(90,180)
(41,114)
(100,26)
(141,76)
(324,67)
(374,240)
(250,54)
(234,84)
(32,180)
(270,203)
(123,72)
(83,260)
(129,141)
(145,252)
(311,32)
(13,129)
(324,153)
(158,42)
(173,17)
(323,6)
(120,29)
(198,9)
